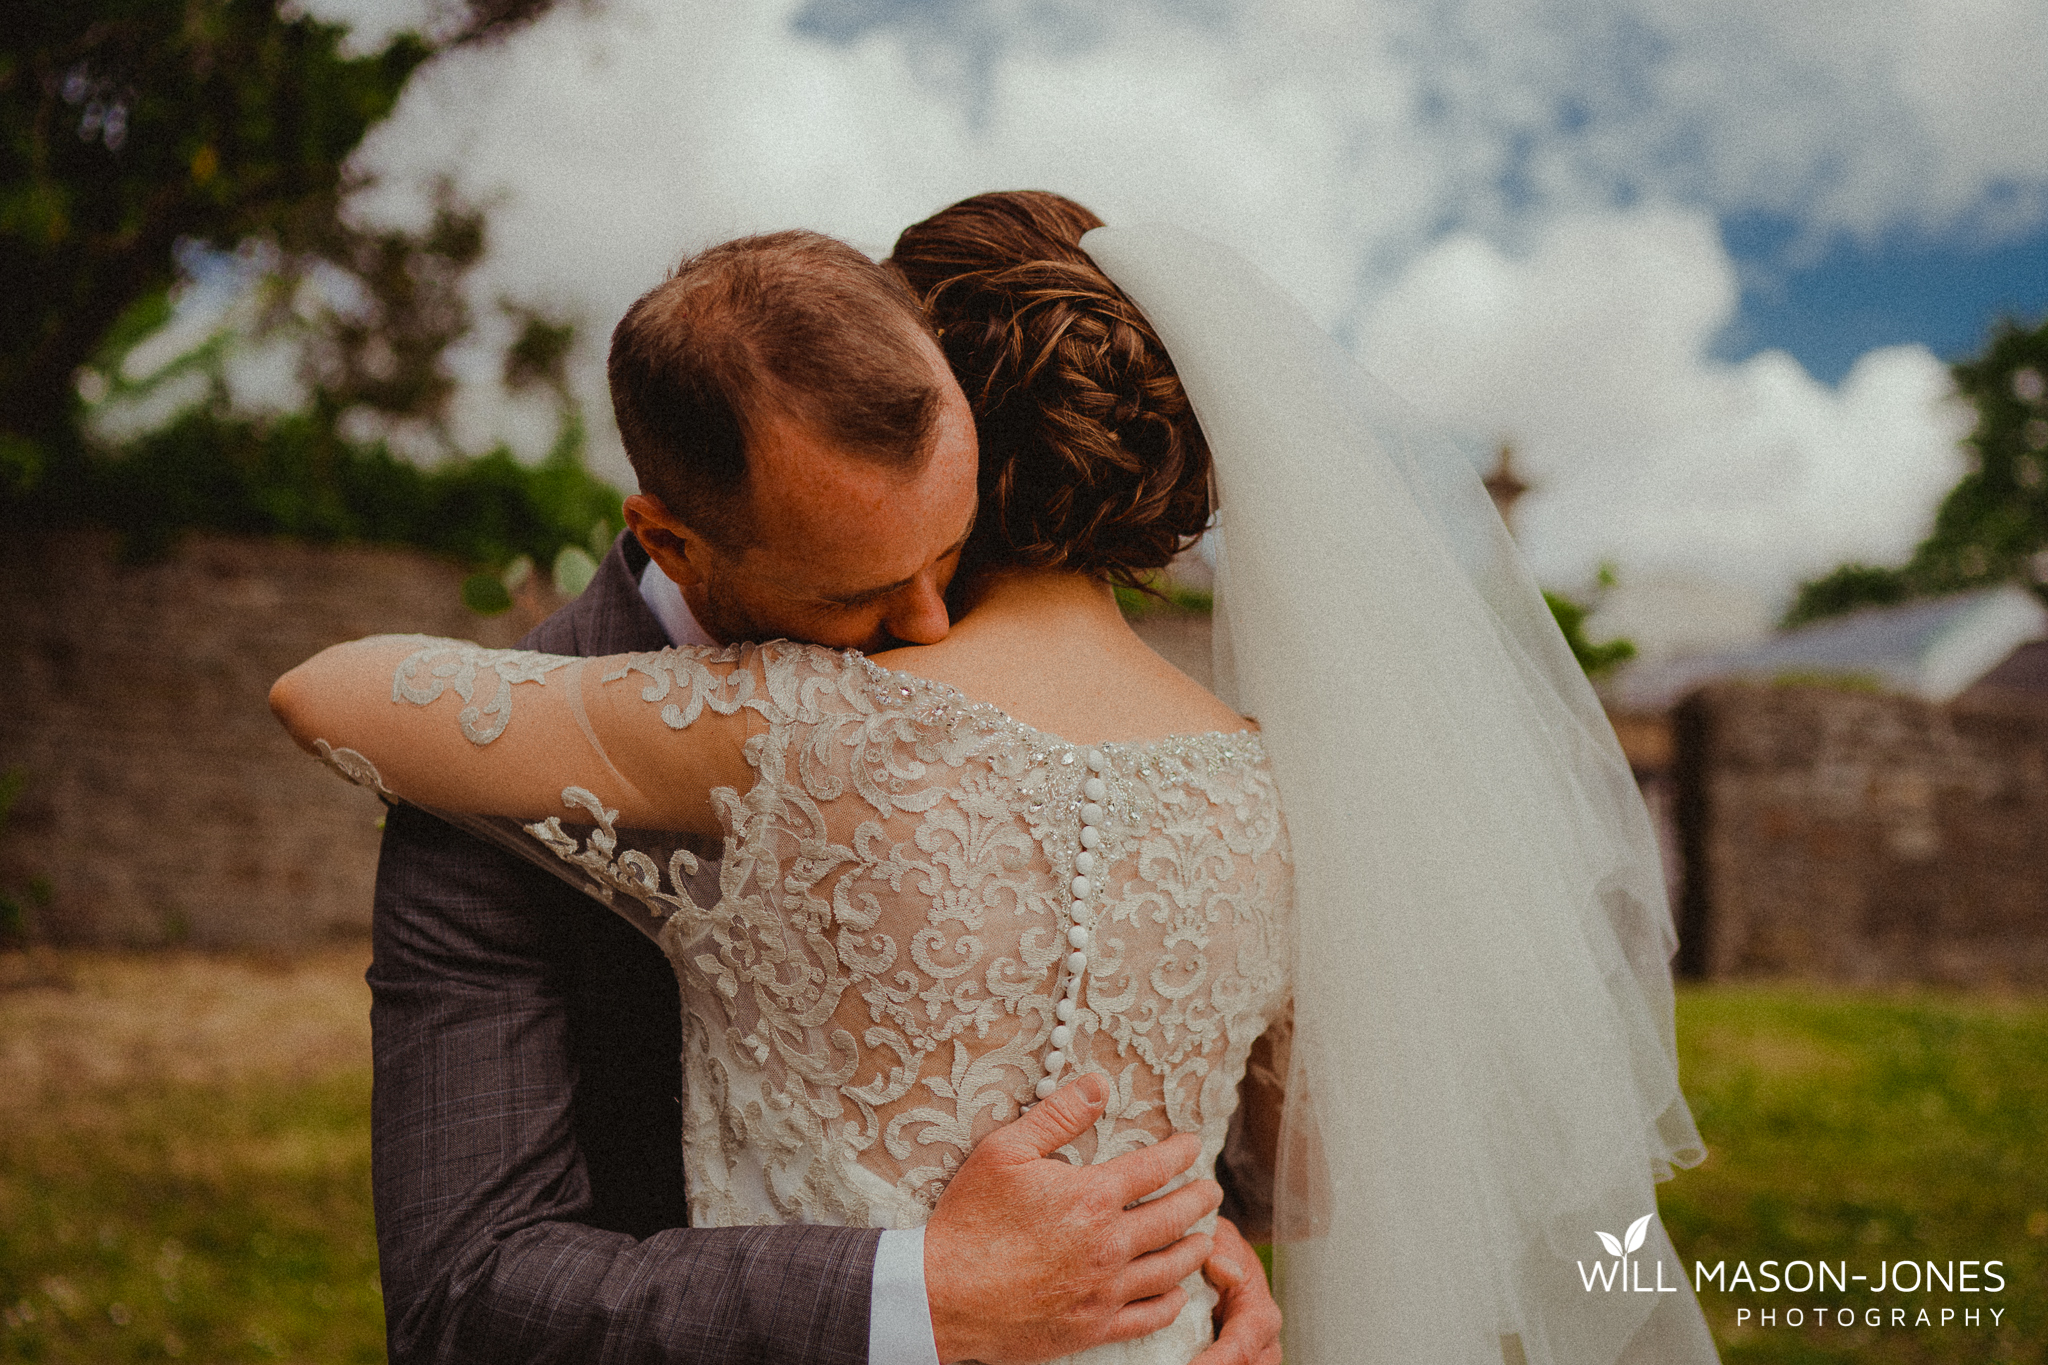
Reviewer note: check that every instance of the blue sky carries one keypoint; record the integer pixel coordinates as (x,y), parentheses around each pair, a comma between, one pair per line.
(1702,261)
(1942,293)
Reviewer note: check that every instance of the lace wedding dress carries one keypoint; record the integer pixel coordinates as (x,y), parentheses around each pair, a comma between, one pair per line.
(1484,1067)
(924,910)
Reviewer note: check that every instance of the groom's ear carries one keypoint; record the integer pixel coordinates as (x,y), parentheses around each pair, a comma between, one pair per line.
(680,552)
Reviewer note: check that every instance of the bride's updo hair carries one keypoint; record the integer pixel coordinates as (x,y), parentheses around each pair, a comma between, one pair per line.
(1091,459)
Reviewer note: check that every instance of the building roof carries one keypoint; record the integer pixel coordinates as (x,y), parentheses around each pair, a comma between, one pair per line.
(1933,649)
(2024,670)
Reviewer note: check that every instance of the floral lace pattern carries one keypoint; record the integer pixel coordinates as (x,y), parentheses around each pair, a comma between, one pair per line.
(353,766)
(874,985)
(607,871)
(453,665)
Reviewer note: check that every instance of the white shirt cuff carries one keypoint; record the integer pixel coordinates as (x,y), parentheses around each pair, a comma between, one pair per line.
(899,1316)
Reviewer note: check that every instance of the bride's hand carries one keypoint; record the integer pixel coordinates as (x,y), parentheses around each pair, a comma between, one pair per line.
(1028,1258)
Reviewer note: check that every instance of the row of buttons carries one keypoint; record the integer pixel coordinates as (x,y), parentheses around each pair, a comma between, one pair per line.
(1087,864)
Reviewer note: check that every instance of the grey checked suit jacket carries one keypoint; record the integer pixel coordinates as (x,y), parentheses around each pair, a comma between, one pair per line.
(527,1151)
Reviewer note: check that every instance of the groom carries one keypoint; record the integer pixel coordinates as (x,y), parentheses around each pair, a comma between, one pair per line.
(807,469)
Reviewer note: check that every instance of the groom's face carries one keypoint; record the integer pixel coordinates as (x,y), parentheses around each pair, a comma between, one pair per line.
(844,552)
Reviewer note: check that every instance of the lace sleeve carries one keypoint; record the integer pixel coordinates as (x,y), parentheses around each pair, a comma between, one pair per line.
(641,740)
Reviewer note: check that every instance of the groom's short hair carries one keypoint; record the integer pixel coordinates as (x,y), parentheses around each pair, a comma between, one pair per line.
(791,324)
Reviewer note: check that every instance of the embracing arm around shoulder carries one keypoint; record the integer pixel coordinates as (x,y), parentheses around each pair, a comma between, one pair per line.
(450,725)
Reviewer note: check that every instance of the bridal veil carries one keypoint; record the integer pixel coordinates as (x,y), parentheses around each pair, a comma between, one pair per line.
(1484,1074)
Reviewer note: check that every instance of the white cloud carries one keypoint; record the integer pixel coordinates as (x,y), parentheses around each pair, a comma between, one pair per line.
(1592,355)
(1854,116)
(611,142)
(1869,115)
(1456,184)
(372,23)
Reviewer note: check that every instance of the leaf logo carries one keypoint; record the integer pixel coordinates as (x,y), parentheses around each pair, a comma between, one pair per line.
(1638,1232)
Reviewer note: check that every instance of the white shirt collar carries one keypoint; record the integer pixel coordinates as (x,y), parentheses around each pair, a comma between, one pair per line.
(665,600)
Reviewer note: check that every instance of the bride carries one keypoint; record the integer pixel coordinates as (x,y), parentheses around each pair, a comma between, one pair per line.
(955,875)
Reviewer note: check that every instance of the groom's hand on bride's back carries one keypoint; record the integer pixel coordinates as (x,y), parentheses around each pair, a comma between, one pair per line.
(1028,1257)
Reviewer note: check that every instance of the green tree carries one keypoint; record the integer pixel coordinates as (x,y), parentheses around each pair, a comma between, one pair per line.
(1995,519)
(132,124)
(139,132)
(1847,588)
(1993,525)
(1571,616)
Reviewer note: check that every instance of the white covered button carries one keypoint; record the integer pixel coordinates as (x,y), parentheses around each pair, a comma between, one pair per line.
(1046,1087)
(1061,1036)
(1077,936)
(1084,861)
(1077,962)
(1091,837)
(1096,762)
(1082,887)
(1091,814)
(1074,987)
(1095,789)
(1054,1060)
(1065,1011)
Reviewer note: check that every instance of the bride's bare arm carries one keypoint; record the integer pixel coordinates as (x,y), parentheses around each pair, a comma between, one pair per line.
(452,726)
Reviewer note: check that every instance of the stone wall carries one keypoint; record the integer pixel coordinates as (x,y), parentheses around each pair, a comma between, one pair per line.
(1822,833)
(163,803)
(1866,838)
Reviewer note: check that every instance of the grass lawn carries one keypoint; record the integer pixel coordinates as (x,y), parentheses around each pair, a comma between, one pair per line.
(184,1161)
(1867,1128)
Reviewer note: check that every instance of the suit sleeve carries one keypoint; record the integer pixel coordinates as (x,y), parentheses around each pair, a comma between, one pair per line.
(526,1149)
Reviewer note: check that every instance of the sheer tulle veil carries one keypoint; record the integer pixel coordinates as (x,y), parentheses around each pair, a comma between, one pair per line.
(1484,1073)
